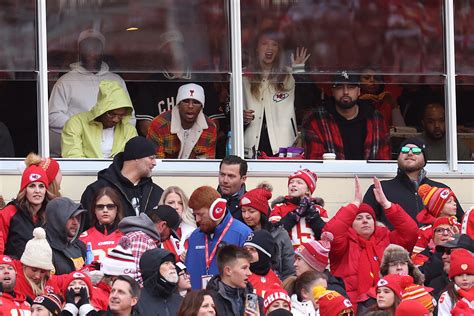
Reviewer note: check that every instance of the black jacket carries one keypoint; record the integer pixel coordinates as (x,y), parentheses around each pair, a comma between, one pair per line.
(70,255)
(403,191)
(336,284)
(223,302)
(146,192)
(233,202)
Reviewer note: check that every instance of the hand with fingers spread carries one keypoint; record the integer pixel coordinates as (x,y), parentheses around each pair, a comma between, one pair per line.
(380,195)
(357,193)
(301,56)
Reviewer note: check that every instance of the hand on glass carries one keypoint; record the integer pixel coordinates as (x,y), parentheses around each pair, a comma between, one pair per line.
(301,56)
(380,196)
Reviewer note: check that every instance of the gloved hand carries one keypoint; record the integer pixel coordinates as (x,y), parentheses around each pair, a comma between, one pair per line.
(312,212)
(70,296)
(302,209)
(84,297)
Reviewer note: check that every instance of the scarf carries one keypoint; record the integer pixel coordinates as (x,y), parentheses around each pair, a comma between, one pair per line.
(369,265)
(467,294)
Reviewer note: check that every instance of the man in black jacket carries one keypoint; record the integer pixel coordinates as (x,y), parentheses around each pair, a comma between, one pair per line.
(160,280)
(403,189)
(130,175)
(232,177)
(64,223)
(229,289)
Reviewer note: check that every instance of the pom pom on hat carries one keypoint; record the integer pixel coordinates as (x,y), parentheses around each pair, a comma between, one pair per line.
(462,262)
(38,252)
(33,174)
(316,253)
(309,177)
(434,198)
(273,295)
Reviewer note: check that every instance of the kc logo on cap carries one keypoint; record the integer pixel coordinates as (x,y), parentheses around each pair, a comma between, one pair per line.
(34,177)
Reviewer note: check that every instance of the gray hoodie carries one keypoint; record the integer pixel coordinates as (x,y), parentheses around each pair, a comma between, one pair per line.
(139,223)
(69,255)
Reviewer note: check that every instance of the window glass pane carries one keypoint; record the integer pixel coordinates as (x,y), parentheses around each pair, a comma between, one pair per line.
(380,55)
(18,79)
(151,48)
(464,46)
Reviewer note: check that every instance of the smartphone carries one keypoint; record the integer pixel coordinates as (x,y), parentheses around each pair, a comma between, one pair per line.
(251,303)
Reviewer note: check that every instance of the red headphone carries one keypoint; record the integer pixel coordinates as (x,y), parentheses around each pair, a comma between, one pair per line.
(217,209)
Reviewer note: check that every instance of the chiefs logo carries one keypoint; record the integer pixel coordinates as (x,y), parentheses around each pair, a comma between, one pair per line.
(78,275)
(280,96)
(34,177)
(382,282)
(444,195)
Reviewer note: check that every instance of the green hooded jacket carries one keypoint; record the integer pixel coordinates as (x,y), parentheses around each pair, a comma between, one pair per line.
(82,134)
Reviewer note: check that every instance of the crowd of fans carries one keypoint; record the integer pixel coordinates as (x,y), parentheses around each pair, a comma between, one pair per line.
(130,248)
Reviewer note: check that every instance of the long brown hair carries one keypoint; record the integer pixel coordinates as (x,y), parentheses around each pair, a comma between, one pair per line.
(25,204)
(192,303)
(113,195)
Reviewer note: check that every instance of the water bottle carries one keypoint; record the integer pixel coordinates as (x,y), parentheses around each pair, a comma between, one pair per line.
(89,254)
(228,145)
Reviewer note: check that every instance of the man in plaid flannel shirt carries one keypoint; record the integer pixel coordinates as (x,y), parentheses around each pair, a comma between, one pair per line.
(346,128)
(185,132)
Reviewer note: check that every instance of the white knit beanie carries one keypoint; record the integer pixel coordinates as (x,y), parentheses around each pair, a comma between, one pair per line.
(120,260)
(38,253)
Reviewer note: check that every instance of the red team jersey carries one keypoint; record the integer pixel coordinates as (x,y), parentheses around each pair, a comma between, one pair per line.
(101,243)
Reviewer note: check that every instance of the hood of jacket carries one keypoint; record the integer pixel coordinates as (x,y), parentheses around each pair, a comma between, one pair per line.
(77,67)
(111,97)
(113,174)
(58,211)
(139,223)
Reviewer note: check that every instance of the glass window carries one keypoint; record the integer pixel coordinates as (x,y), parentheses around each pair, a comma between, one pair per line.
(315,72)
(18,79)
(150,48)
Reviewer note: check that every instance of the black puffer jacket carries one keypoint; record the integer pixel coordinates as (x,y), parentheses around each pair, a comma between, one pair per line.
(146,192)
(68,256)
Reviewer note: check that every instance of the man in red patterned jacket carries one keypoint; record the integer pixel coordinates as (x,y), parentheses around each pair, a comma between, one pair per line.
(185,132)
(346,128)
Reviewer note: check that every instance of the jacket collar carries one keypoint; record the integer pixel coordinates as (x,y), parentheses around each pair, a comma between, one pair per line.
(176,121)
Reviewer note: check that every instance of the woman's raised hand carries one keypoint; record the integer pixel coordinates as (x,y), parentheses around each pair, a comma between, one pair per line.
(301,56)
(357,193)
(380,196)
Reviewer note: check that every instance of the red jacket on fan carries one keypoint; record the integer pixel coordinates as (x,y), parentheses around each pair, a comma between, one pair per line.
(348,249)
(17,305)
(301,232)
(23,287)
(101,240)
(262,283)
(100,299)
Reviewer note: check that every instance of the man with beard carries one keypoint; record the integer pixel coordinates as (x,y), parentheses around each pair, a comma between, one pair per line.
(346,128)
(185,132)
(434,134)
(160,281)
(76,91)
(403,189)
(12,302)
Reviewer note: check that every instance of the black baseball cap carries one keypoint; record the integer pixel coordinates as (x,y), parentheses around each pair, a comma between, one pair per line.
(459,241)
(169,215)
(345,77)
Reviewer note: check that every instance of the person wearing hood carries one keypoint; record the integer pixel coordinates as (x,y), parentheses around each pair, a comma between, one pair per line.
(261,247)
(130,175)
(159,296)
(64,223)
(403,189)
(147,231)
(185,132)
(12,302)
(230,287)
(76,91)
(103,131)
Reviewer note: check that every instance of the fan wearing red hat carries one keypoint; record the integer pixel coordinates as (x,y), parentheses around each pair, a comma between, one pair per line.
(23,214)
(52,169)
(439,203)
(331,303)
(388,293)
(255,211)
(276,298)
(461,287)
(12,302)
(78,292)
(359,244)
(298,212)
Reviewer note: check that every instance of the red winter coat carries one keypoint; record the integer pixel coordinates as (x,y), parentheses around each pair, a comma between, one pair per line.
(101,243)
(262,283)
(23,287)
(347,252)
(301,232)
(17,305)
(101,295)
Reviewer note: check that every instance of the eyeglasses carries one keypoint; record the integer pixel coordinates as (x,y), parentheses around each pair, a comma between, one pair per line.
(107,206)
(414,150)
(184,274)
(442,231)
(111,115)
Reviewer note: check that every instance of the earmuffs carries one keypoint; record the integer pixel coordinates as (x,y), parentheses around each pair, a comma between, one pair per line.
(217,209)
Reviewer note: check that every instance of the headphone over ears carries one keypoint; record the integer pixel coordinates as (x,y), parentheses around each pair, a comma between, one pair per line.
(217,209)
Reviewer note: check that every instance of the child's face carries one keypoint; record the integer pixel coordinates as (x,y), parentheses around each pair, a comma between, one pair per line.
(449,209)
(297,188)
(464,281)
(76,285)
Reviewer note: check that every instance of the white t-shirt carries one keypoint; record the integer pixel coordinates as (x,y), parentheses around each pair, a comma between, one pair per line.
(107,141)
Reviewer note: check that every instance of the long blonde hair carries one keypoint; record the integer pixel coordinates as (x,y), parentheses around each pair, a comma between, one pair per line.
(38,289)
(187,215)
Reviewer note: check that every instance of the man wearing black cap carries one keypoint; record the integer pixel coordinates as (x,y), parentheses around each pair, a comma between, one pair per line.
(147,230)
(130,175)
(160,279)
(403,189)
(346,128)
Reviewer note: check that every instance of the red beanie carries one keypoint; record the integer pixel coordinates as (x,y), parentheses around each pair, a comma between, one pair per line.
(33,174)
(366,208)
(420,294)
(273,295)
(51,167)
(393,282)
(412,308)
(462,262)
(308,177)
(331,303)
(434,198)
(7,260)
(257,199)
(315,253)
(76,275)
(451,221)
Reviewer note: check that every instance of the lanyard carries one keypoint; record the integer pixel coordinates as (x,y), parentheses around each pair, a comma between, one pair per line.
(209,259)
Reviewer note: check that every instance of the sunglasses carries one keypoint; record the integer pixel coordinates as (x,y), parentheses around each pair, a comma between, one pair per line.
(414,150)
(107,206)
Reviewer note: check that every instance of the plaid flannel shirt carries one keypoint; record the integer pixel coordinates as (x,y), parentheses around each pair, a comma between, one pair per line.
(321,135)
(168,144)
(140,242)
